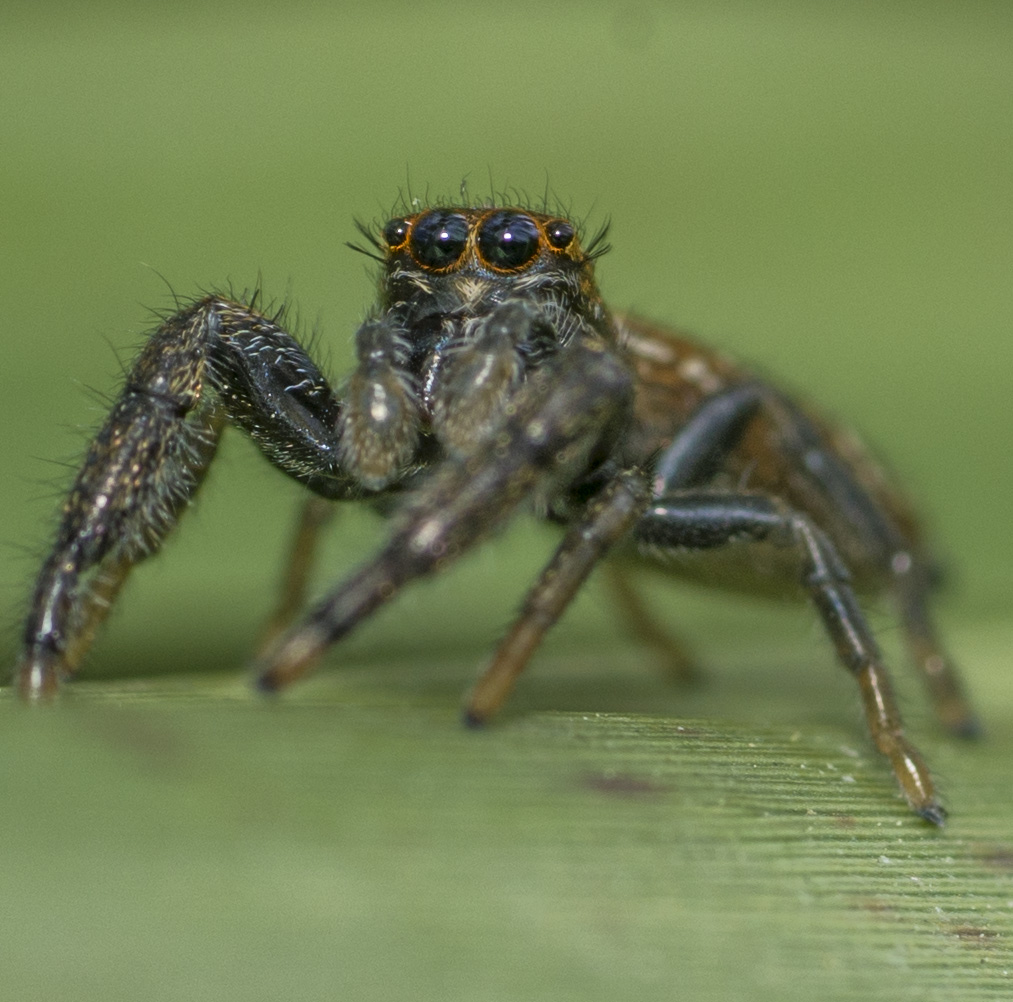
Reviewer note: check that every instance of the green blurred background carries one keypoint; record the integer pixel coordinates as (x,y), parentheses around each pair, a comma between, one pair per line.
(822,189)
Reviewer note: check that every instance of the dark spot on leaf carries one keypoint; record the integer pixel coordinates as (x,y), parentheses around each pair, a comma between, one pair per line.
(876,906)
(148,740)
(623,785)
(974,934)
(1000,857)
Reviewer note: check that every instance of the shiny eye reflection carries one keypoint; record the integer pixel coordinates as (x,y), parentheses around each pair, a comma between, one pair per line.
(560,233)
(508,240)
(438,238)
(395,233)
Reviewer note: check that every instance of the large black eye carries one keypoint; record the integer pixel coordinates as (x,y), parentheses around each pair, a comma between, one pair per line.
(395,233)
(560,233)
(438,238)
(508,240)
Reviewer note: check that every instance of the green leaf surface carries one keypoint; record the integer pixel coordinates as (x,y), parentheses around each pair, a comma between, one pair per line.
(184,838)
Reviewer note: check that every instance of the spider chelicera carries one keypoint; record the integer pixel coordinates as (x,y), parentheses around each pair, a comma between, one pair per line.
(491,376)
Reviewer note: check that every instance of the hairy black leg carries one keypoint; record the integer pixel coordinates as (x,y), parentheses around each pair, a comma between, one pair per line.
(607,517)
(906,570)
(714,429)
(138,473)
(270,388)
(213,361)
(573,405)
(314,516)
(717,426)
(701,520)
(673,657)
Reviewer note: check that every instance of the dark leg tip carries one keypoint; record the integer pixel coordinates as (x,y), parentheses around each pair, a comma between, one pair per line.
(265,683)
(935,813)
(969,729)
(473,721)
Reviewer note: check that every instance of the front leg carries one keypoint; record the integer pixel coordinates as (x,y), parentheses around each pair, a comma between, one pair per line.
(568,411)
(701,520)
(608,517)
(214,361)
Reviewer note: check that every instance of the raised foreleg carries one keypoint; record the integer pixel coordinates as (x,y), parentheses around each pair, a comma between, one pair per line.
(214,361)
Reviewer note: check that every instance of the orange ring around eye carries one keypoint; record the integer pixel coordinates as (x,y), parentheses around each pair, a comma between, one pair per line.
(508,240)
(395,233)
(438,239)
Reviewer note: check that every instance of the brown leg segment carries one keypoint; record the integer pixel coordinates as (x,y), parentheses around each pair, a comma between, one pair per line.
(609,516)
(316,513)
(95,606)
(941,677)
(828,585)
(674,659)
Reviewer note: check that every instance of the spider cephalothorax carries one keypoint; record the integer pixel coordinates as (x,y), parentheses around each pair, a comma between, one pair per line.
(490,375)
(470,301)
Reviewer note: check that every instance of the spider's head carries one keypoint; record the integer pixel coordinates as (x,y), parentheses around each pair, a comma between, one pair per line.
(470,301)
(466,259)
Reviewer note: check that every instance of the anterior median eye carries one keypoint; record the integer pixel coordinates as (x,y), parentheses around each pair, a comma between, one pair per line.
(508,240)
(438,238)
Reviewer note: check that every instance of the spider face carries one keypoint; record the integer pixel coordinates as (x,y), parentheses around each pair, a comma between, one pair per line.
(482,242)
(460,262)
(490,376)
(470,301)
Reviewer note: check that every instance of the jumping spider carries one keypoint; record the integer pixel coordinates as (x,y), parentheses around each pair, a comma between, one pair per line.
(491,375)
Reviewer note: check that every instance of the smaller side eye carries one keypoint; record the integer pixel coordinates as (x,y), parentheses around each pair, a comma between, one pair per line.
(508,240)
(439,238)
(395,233)
(560,233)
